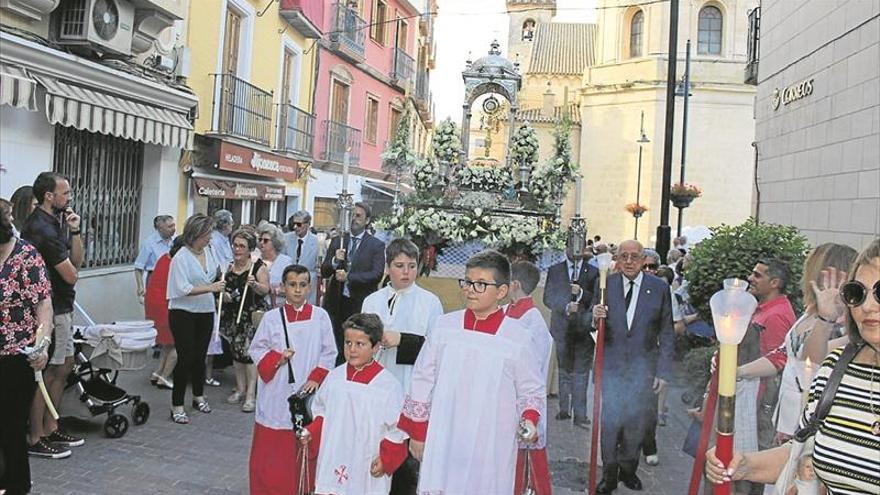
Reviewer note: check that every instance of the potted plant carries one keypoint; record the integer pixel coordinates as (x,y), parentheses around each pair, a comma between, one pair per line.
(636,209)
(682,194)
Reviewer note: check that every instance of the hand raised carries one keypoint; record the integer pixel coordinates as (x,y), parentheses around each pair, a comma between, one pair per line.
(829,305)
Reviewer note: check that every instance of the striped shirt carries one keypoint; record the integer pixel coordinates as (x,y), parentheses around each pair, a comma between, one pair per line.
(847,454)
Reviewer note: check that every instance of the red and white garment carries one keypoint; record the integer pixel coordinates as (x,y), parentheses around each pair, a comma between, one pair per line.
(356,414)
(472,383)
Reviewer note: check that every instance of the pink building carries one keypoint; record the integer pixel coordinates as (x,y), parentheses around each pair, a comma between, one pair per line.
(371,56)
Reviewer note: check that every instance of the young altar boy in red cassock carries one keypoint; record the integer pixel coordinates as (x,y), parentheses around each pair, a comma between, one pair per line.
(354,434)
(524,279)
(287,364)
(474,383)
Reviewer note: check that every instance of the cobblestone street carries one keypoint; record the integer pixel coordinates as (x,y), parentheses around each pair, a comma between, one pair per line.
(210,455)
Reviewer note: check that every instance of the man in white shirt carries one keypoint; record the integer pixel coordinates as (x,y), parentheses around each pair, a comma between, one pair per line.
(302,246)
(220,244)
(157,244)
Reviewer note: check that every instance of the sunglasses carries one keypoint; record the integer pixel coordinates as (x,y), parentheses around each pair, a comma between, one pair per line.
(854,293)
(264,241)
(652,266)
(297,224)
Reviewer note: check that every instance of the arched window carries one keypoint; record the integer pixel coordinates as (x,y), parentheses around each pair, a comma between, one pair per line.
(528,30)
(709,29)
(636,28)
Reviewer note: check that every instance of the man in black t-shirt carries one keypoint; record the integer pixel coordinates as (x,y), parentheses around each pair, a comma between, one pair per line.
(54,229)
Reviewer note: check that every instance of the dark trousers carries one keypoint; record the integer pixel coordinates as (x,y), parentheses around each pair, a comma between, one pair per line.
(574,353)
(624,406)
(192,334)
(344,309)
(17,387)
(405,480)
(649,444)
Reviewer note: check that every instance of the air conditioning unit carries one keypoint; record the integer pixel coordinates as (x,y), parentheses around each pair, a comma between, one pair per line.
(103,26)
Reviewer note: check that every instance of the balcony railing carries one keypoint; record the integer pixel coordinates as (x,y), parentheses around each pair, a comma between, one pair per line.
(296,130)
(339,139)
(243,110)
(402,65)
(753,47)
(349,30)
(422,92)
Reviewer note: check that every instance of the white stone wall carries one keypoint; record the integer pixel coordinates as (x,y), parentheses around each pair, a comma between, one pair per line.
(819,156)
(26,148)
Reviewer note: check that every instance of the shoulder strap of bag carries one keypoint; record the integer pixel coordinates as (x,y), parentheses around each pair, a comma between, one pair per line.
(827,398)
(290,377)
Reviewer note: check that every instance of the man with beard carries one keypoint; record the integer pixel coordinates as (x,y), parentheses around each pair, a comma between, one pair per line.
(54,229)
(354,264)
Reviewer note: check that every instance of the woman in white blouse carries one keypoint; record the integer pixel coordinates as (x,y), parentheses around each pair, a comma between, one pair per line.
(270,240)
(194,278)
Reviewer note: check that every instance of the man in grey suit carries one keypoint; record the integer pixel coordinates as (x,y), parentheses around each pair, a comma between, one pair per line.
(302,247)
(637,363)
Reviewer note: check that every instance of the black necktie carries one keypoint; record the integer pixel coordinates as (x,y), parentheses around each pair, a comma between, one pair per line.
(299,249)
(354,247)
(629,294)
(574,273)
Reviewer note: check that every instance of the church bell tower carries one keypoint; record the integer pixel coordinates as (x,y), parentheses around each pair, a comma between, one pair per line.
(524,16)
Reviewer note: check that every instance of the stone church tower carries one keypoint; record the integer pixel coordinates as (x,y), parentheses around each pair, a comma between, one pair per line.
(524,16)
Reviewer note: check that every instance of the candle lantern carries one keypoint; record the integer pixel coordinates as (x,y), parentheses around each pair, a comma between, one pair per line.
(604,261)
(732,310)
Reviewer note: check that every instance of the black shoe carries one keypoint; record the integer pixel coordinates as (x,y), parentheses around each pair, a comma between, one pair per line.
(583,422)
(47,450)
(605,487)
(64,439)
(562,415)
(631,481)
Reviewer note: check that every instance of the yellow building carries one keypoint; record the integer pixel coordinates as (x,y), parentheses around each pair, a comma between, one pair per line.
(253,69)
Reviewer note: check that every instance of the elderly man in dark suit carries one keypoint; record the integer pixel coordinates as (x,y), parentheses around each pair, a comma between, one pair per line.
(354,264)
(568,293)
(638,357)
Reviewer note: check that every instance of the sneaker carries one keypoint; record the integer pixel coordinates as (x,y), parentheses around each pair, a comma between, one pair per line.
(212,382)
(65,439)
(45,449)
(652,460)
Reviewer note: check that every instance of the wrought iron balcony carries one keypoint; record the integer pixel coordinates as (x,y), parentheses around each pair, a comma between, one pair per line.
(349,30)
(402,65)
(243,110)
(753,47)
(339,139)
(306,16)
(296,130)
(423,93)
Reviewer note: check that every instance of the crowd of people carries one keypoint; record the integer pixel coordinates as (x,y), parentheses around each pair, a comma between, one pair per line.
(401,397)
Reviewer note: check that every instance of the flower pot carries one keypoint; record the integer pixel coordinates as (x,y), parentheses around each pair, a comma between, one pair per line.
(681,201)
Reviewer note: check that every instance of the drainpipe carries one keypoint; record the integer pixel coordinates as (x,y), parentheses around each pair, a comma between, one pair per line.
(757,187)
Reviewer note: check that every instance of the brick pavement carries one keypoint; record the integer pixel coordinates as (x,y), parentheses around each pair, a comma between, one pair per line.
(210,455)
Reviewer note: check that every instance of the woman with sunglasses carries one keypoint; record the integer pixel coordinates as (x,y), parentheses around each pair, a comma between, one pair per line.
(271,242)
(846,457)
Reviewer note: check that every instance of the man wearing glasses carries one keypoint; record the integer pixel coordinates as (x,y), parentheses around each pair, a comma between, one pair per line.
(302,247)
(638,357)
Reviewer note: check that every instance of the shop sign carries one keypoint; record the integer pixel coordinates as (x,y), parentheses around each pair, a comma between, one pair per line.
(224,189)
(240,159)
(792,93)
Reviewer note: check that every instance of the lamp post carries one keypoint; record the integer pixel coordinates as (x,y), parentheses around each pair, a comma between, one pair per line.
(643,139)
(732,310)
(663,229)
(604,261)
(684,90)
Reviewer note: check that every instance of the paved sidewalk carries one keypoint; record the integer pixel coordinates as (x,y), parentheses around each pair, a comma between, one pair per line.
(210,455)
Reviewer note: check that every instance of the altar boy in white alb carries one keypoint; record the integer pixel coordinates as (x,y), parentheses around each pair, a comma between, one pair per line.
(473,383)
(294,350)
(524,278)
(355,435)
(407,311)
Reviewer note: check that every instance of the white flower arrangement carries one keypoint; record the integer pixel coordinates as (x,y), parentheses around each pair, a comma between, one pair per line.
(525,146)
(445,143)
(484,178)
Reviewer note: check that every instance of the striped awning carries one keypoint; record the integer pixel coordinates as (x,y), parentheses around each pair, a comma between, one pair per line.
(17,88)
(96,111)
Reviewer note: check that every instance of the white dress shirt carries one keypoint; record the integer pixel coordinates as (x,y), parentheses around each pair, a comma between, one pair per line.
(637,284)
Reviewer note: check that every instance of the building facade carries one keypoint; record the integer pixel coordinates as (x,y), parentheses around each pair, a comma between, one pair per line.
(253,70)
(817,117)
(96,91)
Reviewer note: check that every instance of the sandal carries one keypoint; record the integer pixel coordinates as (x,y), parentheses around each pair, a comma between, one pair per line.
(202,406)
(180,418)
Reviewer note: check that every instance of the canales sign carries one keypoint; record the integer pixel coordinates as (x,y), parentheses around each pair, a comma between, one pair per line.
(791,93)
(240,159)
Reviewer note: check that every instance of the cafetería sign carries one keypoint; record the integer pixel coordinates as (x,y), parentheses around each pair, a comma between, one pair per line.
(240,159)
(225,189)
(791,93)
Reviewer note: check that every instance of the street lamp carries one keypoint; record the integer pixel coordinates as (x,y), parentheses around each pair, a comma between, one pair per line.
(732,310)
(642,140)
(683,89)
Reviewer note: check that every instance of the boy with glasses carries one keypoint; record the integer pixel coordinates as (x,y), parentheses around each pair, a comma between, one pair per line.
(476,388)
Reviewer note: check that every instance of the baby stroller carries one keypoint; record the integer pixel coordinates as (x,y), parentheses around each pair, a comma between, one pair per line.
(100,353)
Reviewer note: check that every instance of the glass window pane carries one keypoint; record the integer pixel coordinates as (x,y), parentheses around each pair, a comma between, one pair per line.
(710,26)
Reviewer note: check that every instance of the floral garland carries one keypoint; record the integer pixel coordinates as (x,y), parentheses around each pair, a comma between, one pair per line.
(398,156)
(549,178)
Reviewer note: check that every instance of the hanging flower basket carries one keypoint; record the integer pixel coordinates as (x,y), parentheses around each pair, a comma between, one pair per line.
(683,194)
(636,209)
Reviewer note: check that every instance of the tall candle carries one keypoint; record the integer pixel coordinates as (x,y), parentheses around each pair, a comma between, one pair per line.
(346,159)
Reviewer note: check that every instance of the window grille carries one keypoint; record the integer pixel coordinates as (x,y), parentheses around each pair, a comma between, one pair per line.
(105,174)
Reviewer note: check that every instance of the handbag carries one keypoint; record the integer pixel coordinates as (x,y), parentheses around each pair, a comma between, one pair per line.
(801,443)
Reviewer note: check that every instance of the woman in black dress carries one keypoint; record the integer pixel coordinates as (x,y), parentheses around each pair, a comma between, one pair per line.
(247,282)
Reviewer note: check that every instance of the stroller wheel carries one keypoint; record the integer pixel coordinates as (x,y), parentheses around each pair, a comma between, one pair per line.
(140,413)
(116,425)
